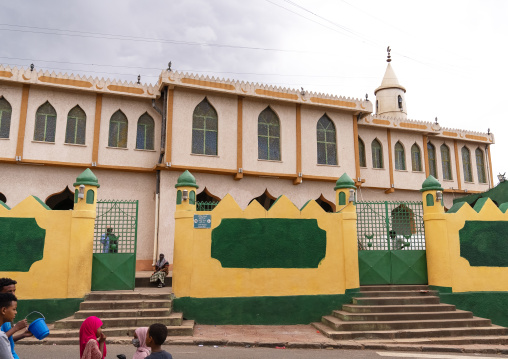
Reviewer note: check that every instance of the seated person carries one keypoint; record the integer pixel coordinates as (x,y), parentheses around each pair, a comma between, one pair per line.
(161,271)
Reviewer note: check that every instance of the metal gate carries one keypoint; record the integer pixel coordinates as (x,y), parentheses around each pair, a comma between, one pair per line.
(391,243)
(114,247)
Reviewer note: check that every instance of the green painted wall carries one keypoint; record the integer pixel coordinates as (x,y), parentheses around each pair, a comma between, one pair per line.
(52,309)
(268,243)
(484,243)
(288,310)
(22,244)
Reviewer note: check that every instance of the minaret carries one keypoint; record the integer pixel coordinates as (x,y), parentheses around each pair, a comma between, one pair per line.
(390,99)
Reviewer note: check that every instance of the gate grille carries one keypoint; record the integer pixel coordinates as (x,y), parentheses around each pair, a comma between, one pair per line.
(390,226)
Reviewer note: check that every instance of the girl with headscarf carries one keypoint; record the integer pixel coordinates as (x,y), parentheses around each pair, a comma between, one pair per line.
(139,342)
(91,339)
(161,271)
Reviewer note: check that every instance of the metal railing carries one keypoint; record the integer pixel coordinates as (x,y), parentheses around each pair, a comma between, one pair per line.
(206,206)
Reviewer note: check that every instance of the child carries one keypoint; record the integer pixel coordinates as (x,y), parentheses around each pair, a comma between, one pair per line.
(157,334)
(89,346)
(8,285)
(139,342)
(8,306)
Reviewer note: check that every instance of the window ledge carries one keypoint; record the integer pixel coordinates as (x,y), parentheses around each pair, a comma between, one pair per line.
(140,149)
(325,165)
(374,168)
(448,180)
(74,144)
(202,154)
(401,170)
(4,138)
(46,142)
(117,148)
(417,171)
(468,182)
(364,167)
(279,161)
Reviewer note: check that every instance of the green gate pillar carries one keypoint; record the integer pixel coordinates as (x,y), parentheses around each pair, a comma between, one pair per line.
(436,236)
(186,193)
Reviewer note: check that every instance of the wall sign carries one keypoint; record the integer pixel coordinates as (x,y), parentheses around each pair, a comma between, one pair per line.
(202,221)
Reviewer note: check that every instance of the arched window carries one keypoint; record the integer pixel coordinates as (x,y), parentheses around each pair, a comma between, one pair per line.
(400,157)
(361,150)
(326,143)
(480,166)
(145,133)
(45,123)
(432,159)
(5,118)
(377,154)
(399,100)
(204,129)
(377,106)
(76,126)
(446,162)
(466,164)
(268,135)
(416,158)
(118,129)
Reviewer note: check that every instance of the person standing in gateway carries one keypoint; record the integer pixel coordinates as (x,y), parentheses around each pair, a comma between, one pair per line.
(109,241)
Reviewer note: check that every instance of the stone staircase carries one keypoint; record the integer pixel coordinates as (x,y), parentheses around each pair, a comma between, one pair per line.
(411,314)
(122,312)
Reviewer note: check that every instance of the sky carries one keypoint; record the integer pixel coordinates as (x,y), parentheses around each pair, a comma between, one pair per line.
(451,56)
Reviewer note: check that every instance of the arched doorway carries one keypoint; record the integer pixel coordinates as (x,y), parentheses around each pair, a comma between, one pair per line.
(61,201)
(266,200)
(325,204)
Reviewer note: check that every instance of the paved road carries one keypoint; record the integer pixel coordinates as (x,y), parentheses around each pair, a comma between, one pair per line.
(210,352)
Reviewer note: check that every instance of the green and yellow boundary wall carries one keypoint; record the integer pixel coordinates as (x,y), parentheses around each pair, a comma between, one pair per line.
(284,265)
(49,253)
(467,253)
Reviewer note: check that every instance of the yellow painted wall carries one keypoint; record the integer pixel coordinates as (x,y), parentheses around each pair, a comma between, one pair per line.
(197,274)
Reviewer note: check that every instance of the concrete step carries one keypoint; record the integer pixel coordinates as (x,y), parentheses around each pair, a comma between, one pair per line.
(354,308)
(410,333)
(144,282)
(386,288)
(396,300)
(466,340)
(340,325)
(409,316)
(123,313)
(172,319)
(398,293)
(126,295)
(125,304)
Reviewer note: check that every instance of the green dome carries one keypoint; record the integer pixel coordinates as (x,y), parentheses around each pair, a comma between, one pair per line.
(186,180)
(431,184)
(87,178)
(344,182)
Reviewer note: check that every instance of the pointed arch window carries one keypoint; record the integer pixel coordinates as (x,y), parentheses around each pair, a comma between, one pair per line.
(268,135)
(466,164)
(75,131)
(118,130)
(45,123)
(431,150)
(416,158)
(5,118)
(204,129)
(377,154)
(400,157)
(361,153)
(326,142)
(480,166)
(399,101)
(446,162)
(145,132)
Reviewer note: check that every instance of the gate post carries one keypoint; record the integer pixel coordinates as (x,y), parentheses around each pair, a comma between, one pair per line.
(345,194)
(436,234)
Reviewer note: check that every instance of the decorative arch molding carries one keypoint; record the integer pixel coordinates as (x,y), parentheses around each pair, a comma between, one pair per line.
(206,196)
(327,205)
(63,200)
(3,198)
(265,200)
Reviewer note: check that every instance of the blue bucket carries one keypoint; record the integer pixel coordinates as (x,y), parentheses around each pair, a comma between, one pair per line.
(38,327)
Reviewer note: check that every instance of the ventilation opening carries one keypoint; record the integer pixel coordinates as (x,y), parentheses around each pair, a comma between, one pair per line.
(206,196)
(266,200)
(325,204)
(3,198)
(61,201)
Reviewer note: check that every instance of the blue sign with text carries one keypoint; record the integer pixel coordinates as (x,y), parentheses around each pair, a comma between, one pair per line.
(202,221)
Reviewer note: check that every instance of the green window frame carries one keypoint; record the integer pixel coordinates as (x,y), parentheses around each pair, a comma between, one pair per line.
(466,164)
(145,132)
(75,131)
(205,128)
(377,154)
(416,158)
(446,162)
(361,153)
(5,118)
(431,150)
(45,123)
(400,157)
(480,166)
(268,135)
(326,142)
(118,130)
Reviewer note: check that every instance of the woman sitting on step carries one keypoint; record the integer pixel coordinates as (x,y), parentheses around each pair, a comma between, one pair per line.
(161,271)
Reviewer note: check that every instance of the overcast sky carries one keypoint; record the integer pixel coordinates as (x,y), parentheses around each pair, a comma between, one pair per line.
(451,56)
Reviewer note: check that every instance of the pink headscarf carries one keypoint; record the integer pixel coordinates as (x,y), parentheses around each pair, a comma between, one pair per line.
(143,351)
(88,331)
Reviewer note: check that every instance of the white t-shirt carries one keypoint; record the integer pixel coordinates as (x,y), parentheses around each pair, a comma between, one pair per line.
(5,347)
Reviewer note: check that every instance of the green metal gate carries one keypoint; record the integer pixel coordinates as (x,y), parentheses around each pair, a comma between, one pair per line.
(114,247)
(391,243)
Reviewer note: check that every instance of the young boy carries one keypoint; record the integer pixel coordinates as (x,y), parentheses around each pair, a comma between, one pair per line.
(8,305)
(157,334)
(8,285)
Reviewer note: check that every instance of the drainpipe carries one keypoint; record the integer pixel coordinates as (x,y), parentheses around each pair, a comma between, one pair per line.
(158,174)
